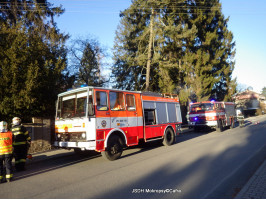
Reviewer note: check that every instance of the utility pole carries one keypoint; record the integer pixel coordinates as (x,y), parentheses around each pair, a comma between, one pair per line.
(149,52)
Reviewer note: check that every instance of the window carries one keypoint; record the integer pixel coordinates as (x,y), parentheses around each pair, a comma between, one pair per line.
(73,105)
(149,115)
(68,108)
(101,100)
(90,106)
(131,106)
(219,106)
(81,107)
(201,107)
(117,101)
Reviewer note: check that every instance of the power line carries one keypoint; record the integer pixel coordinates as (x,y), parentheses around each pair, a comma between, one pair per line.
(195,8)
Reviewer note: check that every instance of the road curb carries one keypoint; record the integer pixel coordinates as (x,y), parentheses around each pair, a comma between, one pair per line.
(46,155)
(254,187)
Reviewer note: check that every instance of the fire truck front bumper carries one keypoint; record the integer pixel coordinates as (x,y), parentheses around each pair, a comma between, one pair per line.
(205,123)
(89,145)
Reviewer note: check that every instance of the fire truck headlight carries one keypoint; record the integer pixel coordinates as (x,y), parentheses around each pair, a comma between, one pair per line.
(58,136)
(83,135)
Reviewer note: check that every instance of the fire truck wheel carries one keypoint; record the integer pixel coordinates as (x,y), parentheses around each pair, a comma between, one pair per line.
(232,125)
(169,137)
(219,126)
(114,148)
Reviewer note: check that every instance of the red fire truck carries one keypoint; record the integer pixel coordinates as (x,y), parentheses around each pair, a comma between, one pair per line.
(212,114)
(107,120)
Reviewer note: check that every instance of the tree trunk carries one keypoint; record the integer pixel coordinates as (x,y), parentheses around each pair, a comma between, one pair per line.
(149,52)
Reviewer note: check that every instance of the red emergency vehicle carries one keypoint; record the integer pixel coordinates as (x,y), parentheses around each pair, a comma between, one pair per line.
(212,114)
(107,120)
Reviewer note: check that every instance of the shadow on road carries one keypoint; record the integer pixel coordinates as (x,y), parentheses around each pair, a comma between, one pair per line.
(213,175)
(44,164)
(197,179)
(143,147)
(55,163)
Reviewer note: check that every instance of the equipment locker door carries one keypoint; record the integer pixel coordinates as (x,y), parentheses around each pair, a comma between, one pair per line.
(151,127)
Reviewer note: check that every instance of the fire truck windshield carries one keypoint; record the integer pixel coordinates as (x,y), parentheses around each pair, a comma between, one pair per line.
(74,105)
(201,107)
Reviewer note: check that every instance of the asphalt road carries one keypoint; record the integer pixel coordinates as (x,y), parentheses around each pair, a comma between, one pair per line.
(199,165)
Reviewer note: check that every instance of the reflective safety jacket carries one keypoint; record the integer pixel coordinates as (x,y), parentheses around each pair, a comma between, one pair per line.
(20,135)
(6,143)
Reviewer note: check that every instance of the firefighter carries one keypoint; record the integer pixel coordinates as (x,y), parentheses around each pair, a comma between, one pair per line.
(6,150)
(240,118)
(21,143)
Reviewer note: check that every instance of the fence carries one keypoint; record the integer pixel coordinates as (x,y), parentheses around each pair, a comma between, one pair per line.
(41,132)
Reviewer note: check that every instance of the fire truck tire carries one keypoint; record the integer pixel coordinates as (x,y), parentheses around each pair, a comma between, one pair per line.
(114,148)
(169,137)
(232,124)
(219,126)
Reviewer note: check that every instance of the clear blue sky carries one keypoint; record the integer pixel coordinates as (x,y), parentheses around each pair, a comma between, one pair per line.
(100,18)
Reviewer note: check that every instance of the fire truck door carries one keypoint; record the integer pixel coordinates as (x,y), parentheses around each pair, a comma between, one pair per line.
(132,117)
(102,110)
(102,114)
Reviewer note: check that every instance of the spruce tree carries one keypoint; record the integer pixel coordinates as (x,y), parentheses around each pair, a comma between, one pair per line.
(133,44)
(213,50)
(33,57)
(192,49)
(143,51)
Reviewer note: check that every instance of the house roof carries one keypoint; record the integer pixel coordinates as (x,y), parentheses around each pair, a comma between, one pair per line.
(248,94)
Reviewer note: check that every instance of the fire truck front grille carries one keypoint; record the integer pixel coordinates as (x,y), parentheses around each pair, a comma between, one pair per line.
(77,137)
(72,137)
(201,121)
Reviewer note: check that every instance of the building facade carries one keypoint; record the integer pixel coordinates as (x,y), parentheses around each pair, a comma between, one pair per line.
(250,103)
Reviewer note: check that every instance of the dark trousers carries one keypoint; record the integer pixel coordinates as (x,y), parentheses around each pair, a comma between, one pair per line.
(6,170)
(20,154)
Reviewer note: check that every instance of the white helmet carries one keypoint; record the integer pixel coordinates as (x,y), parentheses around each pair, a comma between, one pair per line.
(3,126)
(16,121)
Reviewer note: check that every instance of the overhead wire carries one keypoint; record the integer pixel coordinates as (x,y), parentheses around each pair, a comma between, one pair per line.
(178,6)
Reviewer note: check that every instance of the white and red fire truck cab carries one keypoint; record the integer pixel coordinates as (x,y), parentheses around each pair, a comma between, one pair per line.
(106,120)
(212,114)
